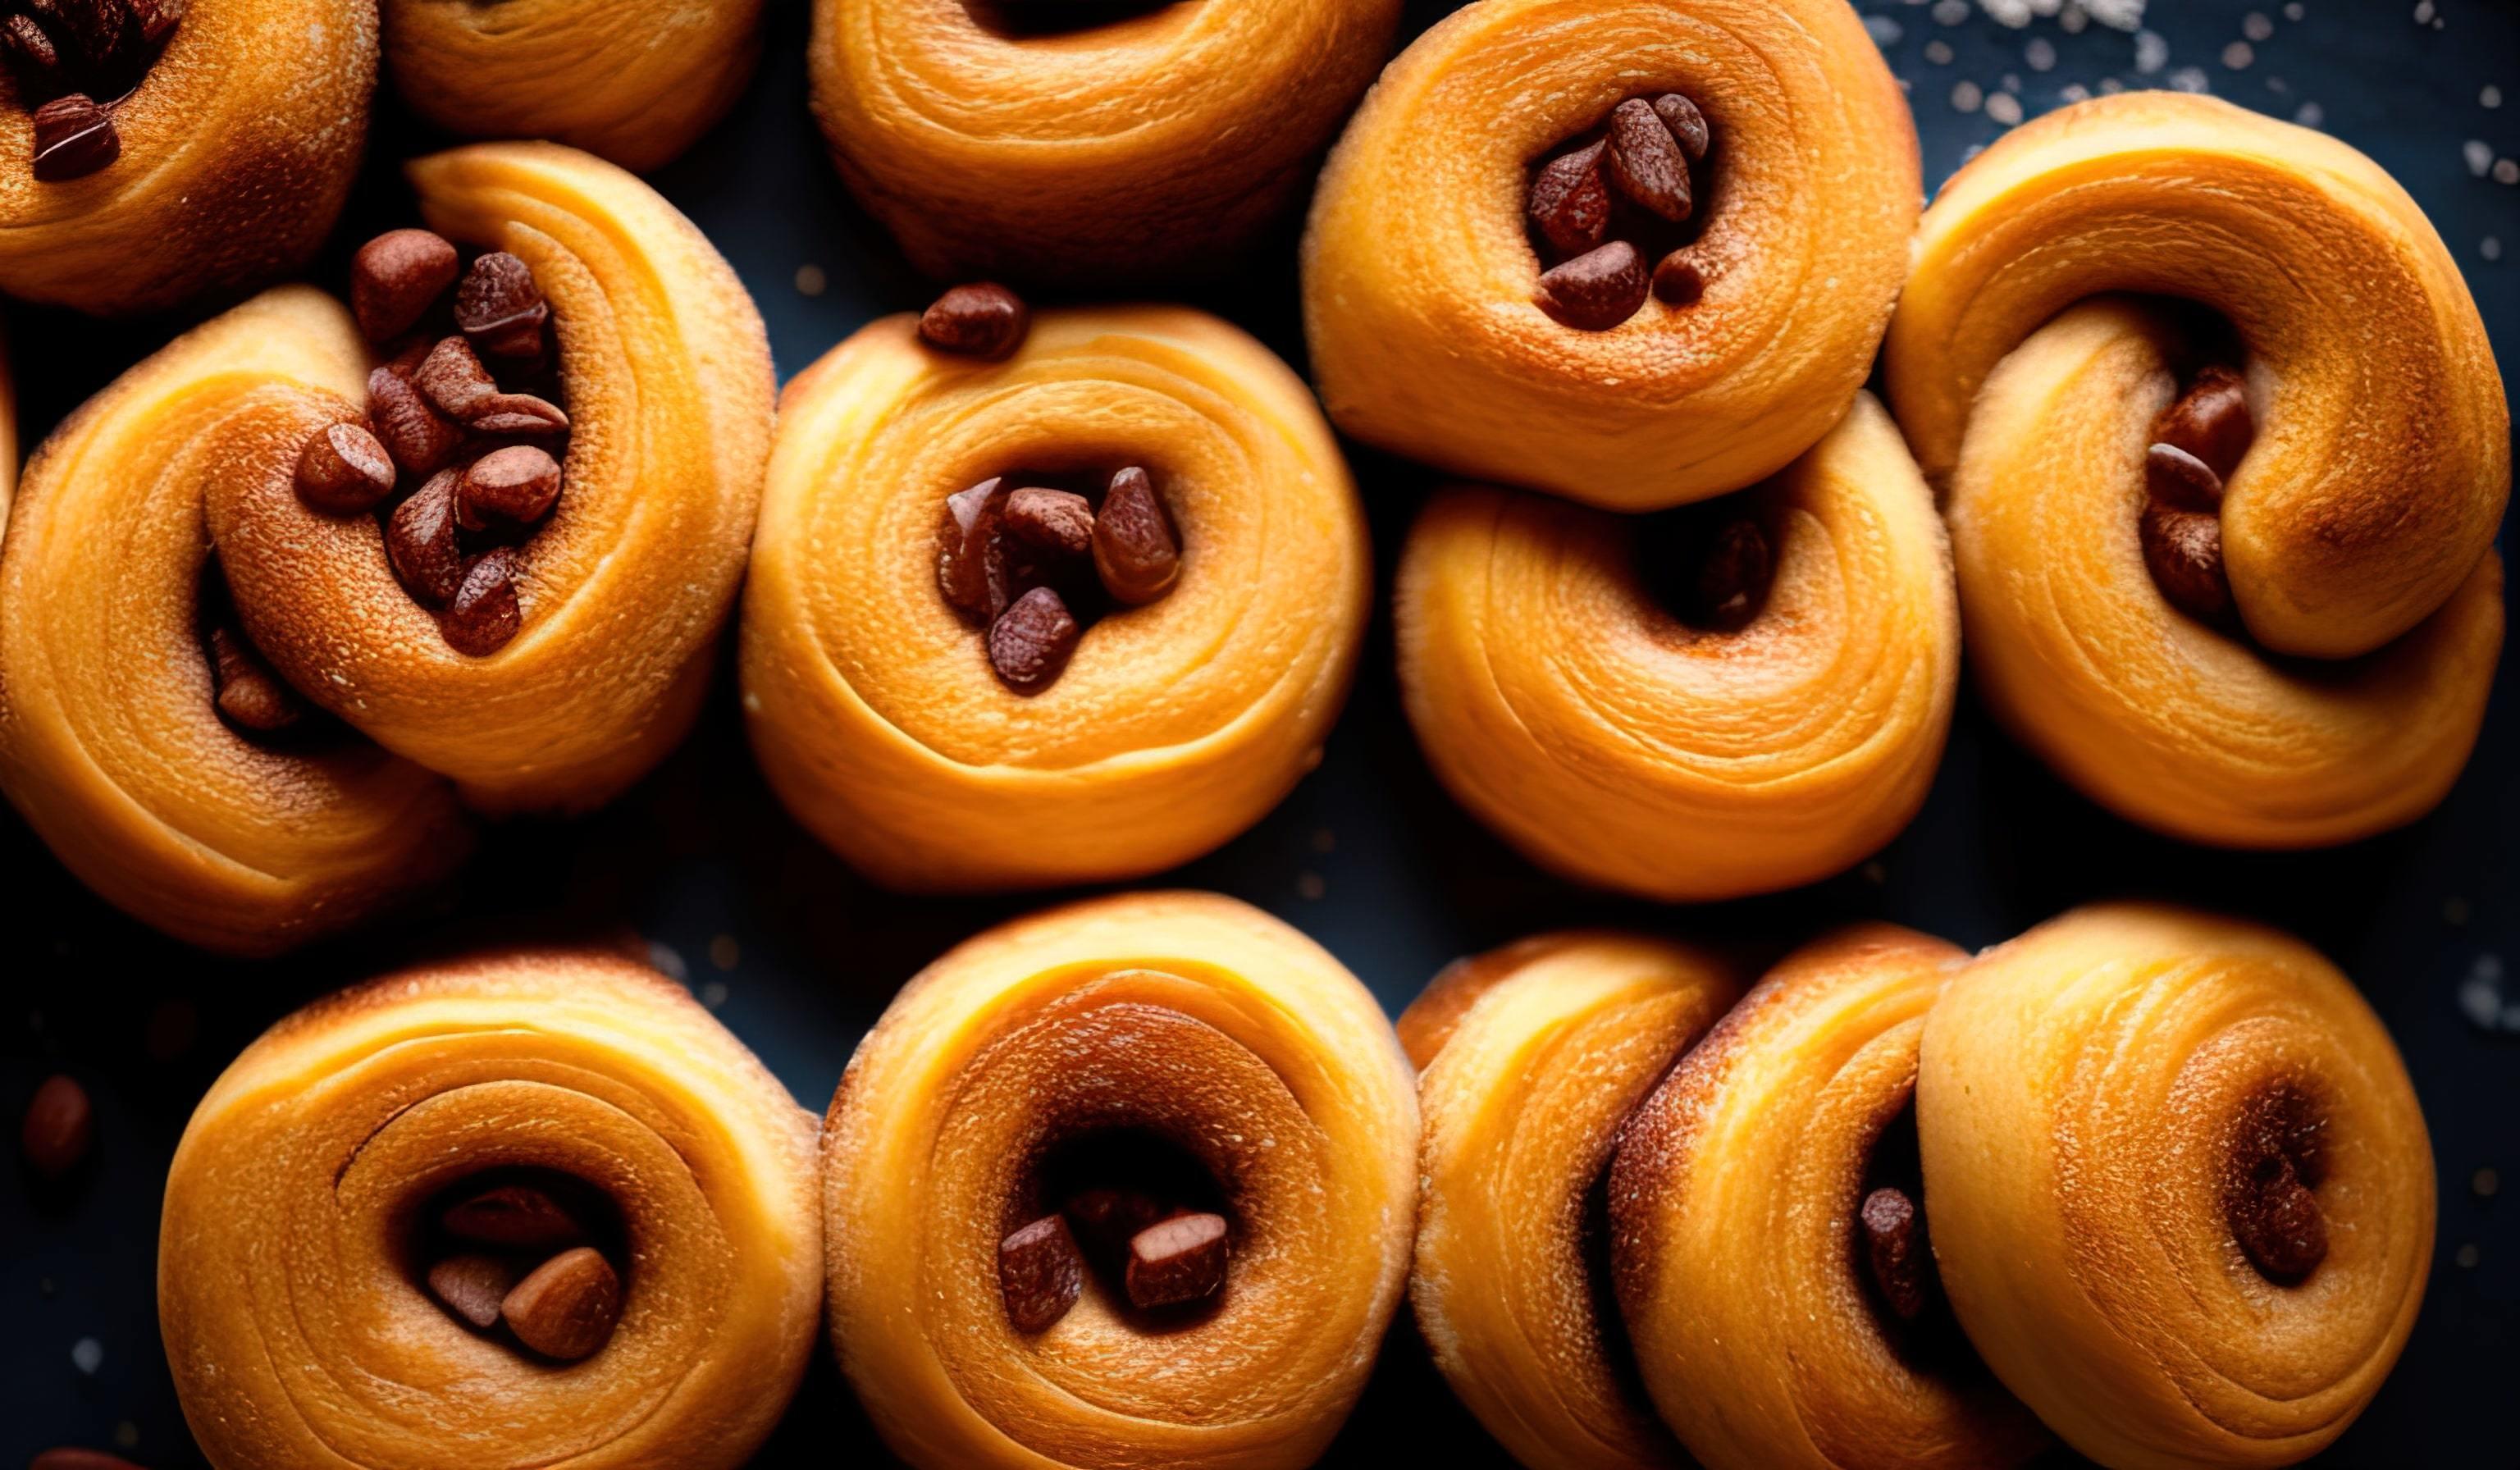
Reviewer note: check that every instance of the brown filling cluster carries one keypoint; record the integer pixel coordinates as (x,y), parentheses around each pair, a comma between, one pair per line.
(249,694)
(1611,203)
(1708,565)
(2197,442)
(1145,1224)
(2278,1159)
(464,443)
(73,60)
(530,1259)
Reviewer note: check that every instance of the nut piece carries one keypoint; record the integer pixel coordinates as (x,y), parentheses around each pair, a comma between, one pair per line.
(395,278)
(971,566)
(420,542)
(1678,282)
(2211,420)
(1687,123)
(512,1216)
(1733,582)
(1645,162)
(2179,480)
(568,1307)
(57,1127)
(1054,520)
(452,379)
(1179,1260)
(1894,1244)
(1596,290)
(344,470)
(1031,642)
(2183,548)
(501,308)
(472,1287)
(984,320)
(1134,550)
(519,484)
(419,437)
(1040,1274)
(249,694)
(73,138)
(483,615)
(1570,206)
(519,416)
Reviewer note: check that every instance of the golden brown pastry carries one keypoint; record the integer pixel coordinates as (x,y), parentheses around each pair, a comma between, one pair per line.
(1635,252)
(1770,720)
(1096,143)
(1124,1182)
(634,81)
(2179,1189)
(118,654)
(152,150)
(1531,1059)
(951,705)
(2226,565)
(1769,1238)
(521,1210)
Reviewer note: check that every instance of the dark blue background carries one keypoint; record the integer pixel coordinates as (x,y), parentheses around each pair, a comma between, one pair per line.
(1367,856)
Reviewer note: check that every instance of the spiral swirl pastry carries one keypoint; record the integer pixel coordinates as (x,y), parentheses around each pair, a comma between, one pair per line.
(1767,1240)
(1179,1045)
(1085,143)
(2179,1189)
(634,81)
(1174,726)
(1531,1059)
(304,1322)
(1773,276)
(112,744)
(666,370)
(2223,532)
(1678,755)
(153,151)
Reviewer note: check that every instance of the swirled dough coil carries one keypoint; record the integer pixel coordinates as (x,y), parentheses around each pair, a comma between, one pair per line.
(1418,276)
(1176,725)
(1610,741)
(2123,1113)
(1531,1059)
(2354,530)
(1188,1017)
(297,1335)
(239,145)
(1014,141)
(631,80)
(109,742)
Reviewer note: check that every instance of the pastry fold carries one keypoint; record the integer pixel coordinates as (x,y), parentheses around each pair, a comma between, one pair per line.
(1531,1059)
(1609,742)
(1739,1264)
(1187,1017)
(295,1332)
(239,147)
(666,368)
(871,704)
(2090,1096)
(1018,141)
(1418,275)
(634,81)
(109,742)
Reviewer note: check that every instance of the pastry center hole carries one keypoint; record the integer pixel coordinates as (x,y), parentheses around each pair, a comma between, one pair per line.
(2196,444)
(1032,558)
(1019,20)
(1710,565)
(1616,213)
(533,1258)
(2278,1158)
(1144,1219)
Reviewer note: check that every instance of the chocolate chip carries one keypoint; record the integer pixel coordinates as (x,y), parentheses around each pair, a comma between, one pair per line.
(452,379)
(249,694)
(1894,1246)
(512,1216)
(2179,480)
(984,320)
(2277,1222)
(518,415)
(1644,161)
(2183,548)
(1678,282)
(472,1287)
(73,138)
(1687,123)
(1031,642)
(971,558)
(155,20)
(1595,291)
(500,308)
(517,484)
(1054,520)
(1733,581)
(420,542)
(483,615)
(344,470)
(567,1308)
(396,277)
(1570,206)
(2211,420)
(57,1127)
(1040,1274)
(1177,1261)
(1134,551)
(415,434)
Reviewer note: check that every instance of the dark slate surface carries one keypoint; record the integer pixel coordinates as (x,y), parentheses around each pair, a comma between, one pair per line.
(1367,856)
